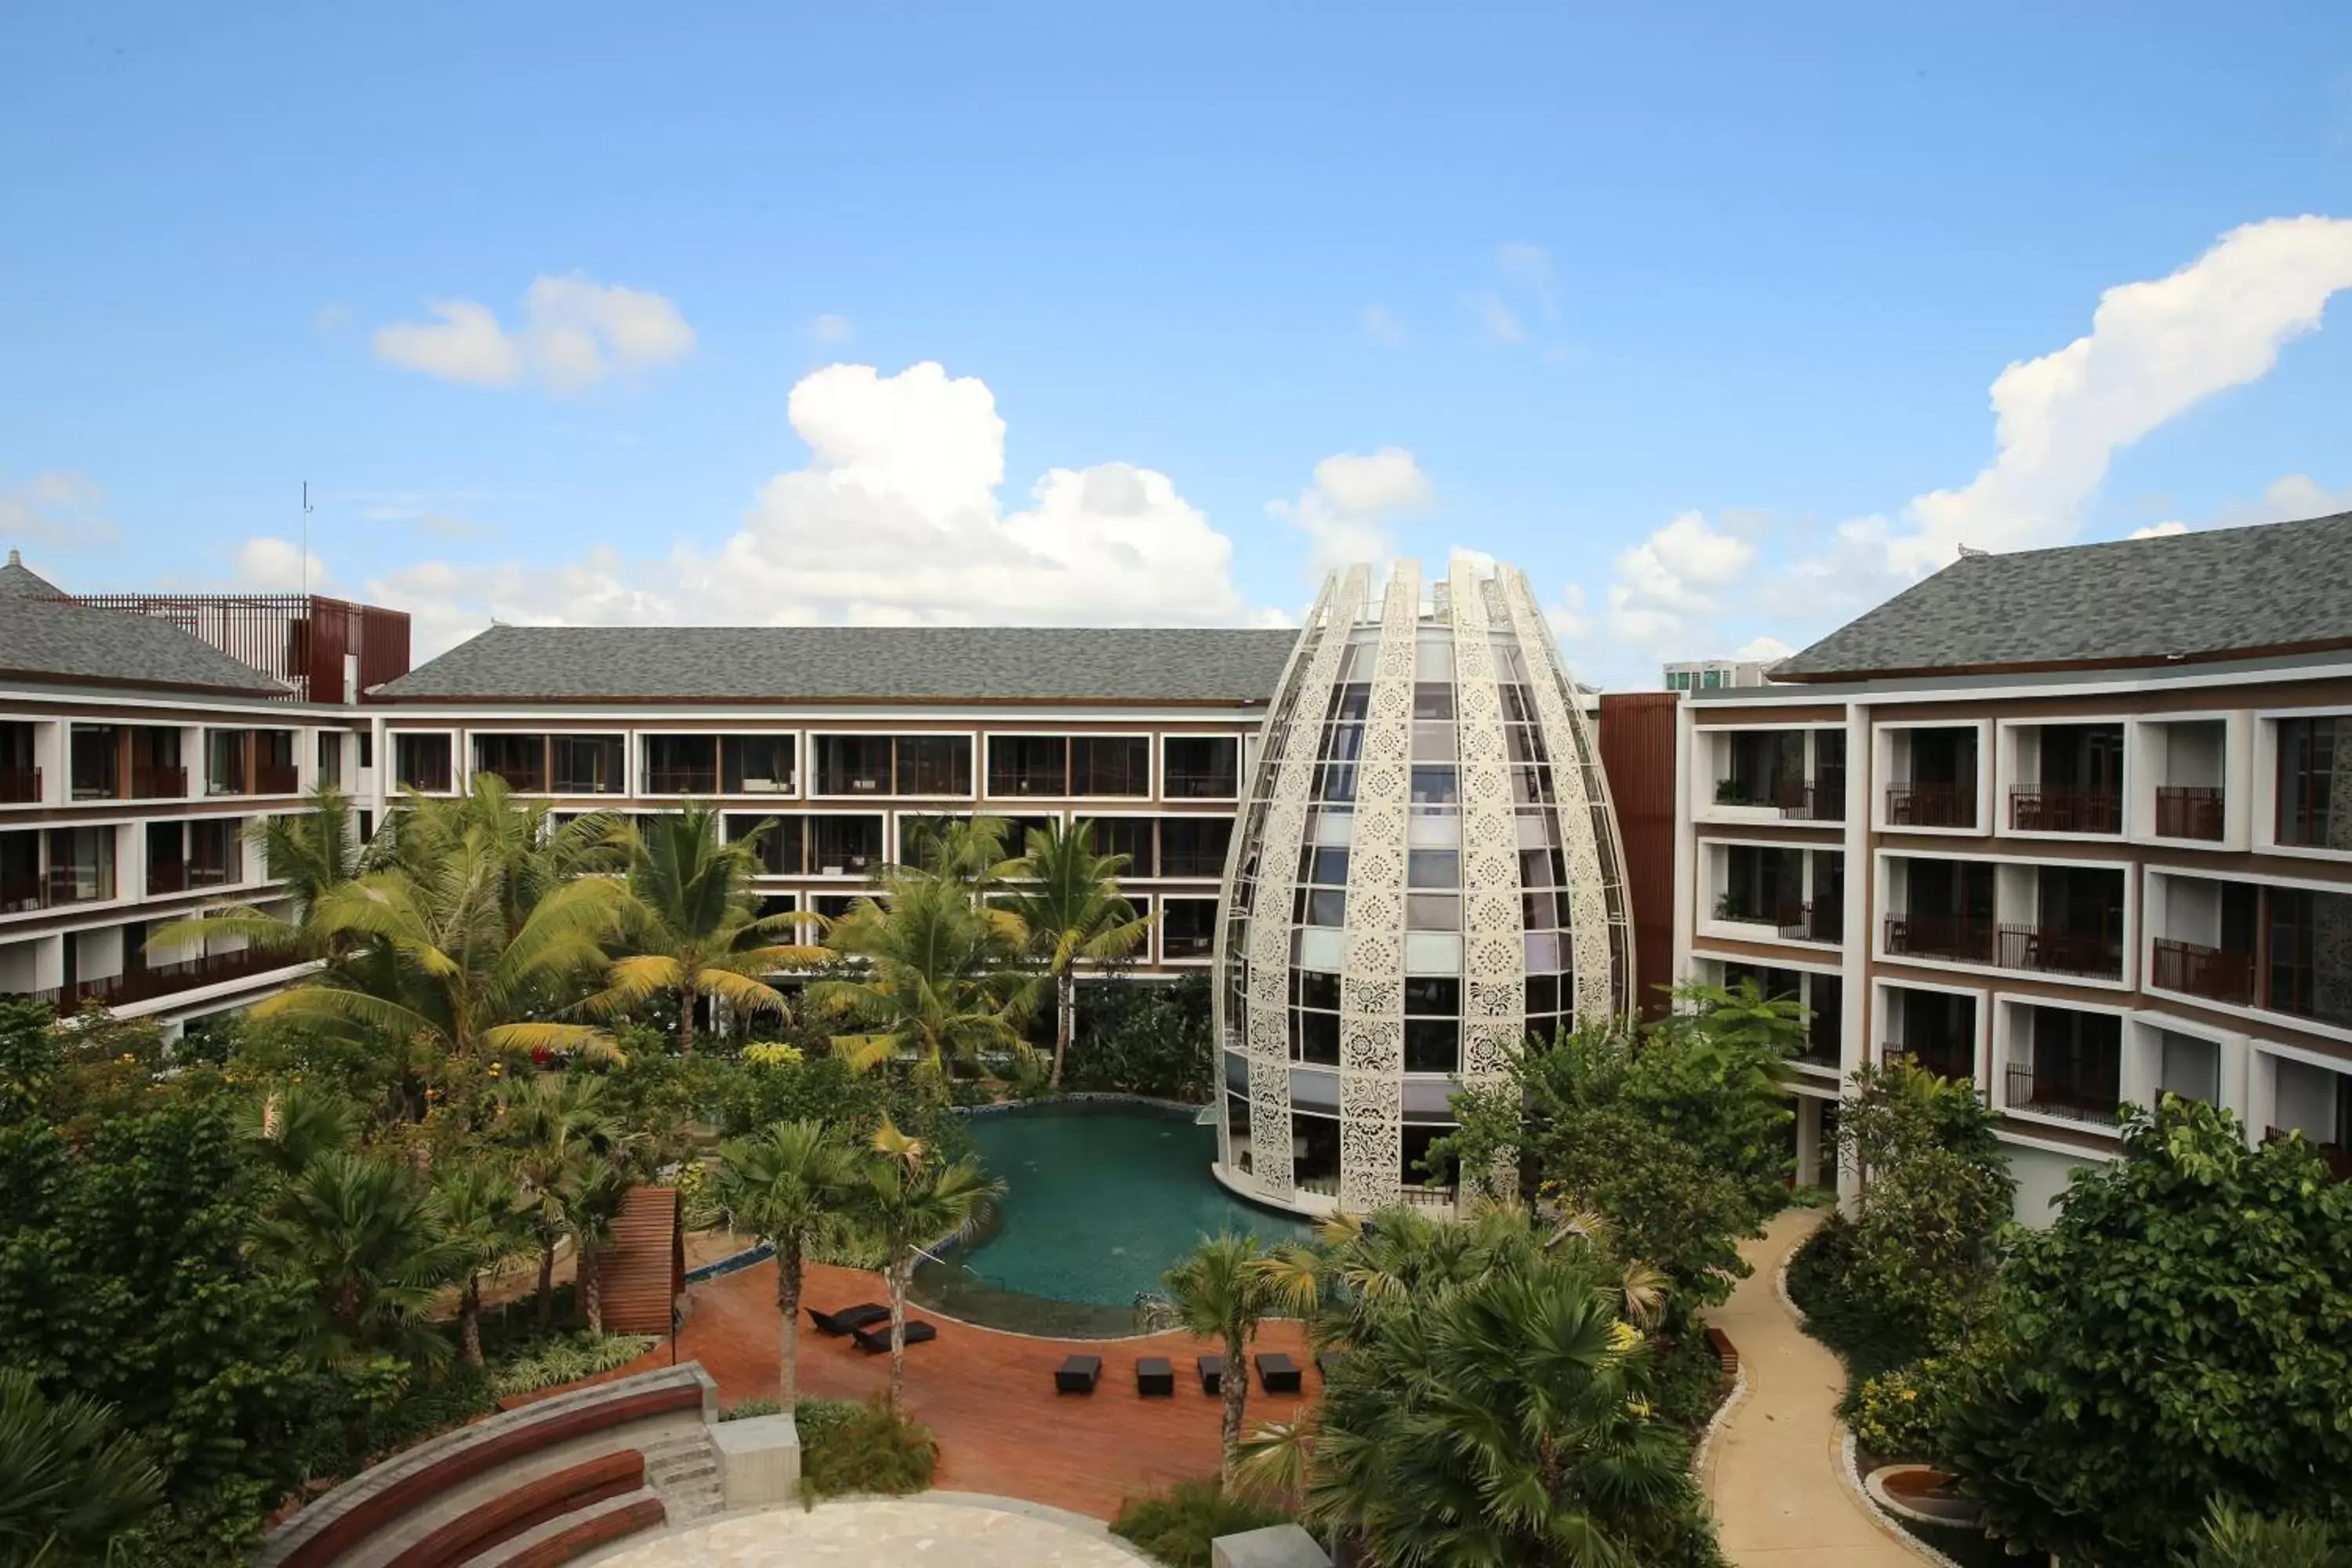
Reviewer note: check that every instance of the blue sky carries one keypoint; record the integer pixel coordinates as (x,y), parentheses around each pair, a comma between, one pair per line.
(1681,309)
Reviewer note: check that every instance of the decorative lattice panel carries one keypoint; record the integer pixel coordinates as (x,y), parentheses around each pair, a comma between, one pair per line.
(1604,956)
(1284,830)
(1494,955)
(1372,982)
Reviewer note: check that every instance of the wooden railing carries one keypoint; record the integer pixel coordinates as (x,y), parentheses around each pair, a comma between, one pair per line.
(2207,971)
(276,778)
(2189,811)
(682,781)
(2053,952)
(163,979)
(159,784)
(20,786)
(1962,937)
(1931,805)
(2066,808)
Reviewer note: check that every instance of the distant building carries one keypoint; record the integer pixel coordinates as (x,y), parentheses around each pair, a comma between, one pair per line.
(1710,674)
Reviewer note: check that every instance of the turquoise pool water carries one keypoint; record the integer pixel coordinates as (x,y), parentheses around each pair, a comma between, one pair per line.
(1101,1197)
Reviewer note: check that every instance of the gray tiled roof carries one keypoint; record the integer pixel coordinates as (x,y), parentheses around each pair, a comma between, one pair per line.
(48,638)
(2222,594)
(842,664)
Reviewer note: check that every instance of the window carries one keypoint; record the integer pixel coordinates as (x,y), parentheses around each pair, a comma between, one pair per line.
(330,757)
(82,865)
(1028,764)
(215,852)
(1188,926)
(1128,835)
(844,846)
(367,747)
(1195,846)
(779,841)
(681,765)
(755,764)
(1432,1023)
(419,762)
(92,762)
(1711,679)
(935,765)
(1315,1017)
(1323,891)
(2315,783)
(2311,954)
(1200,767)
(225,753)
(2072,1067)
(274,772)
(1436,787)
(1110,764)
(590,764)
(520,760)
(853,764)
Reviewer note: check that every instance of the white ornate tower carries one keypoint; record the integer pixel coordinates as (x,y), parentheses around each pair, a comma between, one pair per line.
(1427,869)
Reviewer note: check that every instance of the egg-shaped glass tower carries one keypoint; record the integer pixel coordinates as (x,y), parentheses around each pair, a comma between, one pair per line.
(1427,871)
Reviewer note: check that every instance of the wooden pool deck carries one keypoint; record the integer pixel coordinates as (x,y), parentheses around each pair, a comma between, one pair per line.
(987,1397)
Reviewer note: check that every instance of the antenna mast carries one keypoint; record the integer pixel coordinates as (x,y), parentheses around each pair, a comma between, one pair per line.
(306,539)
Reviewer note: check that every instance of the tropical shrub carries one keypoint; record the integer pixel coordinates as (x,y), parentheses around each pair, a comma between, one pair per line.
(1897,1414)
(871,1448)
(1176,1526)
(2232,1536)
(1143,1037)
(71,1481)
(2181,1332)
(565,1358)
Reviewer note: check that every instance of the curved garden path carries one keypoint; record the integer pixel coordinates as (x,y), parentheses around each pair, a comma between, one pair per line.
(1773,1472)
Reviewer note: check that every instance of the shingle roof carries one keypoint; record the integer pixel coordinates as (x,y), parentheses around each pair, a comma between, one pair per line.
(46,637)
(2227,592)
(844,664)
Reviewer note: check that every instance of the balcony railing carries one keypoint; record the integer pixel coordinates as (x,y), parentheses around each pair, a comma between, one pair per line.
(159,784)
(276,778)
(2337,1157)
(1813,800)
(1188,784)
(682,781)
(2188,811)
(528,780)
(1192,862)
(58,886)
(1744,911)
(1820,922)
(2207,971)
(19,786)
(2051,951)
(1931,805)
(2065,808)
(166,877)
(1962,937)
(164,979)
(856,781)
(2056,1094)
(1945,1058)
(1022,781)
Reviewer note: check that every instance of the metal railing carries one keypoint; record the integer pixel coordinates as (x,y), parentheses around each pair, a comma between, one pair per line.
(2189,811)
(530,781)
(2055,952)
(59,886)
(1962,937)
(1931,805)
(1945,1058)
(164,979)
(1188,786)
(2066,808)
(20,786)
(2056,1094)
(1819,799)
(1176,946)
(1820,922)
(682,781)
(1023,782)
(2208,971)
(1190,863)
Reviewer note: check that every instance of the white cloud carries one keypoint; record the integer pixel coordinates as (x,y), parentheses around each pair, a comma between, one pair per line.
(1762,650)
(56,508)
(2160,529)
(830,328)
(894,520)
(1347,510)
(1382,327)
(1672,576)
(2290,500)
(1496,320)
(1529,268)
(574,333)
(275,566)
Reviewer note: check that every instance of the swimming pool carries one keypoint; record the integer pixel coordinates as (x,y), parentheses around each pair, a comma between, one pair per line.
(1101,1196)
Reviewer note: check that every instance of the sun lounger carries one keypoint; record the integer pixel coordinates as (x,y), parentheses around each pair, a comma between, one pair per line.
(1153,1375)
(1276,1373)
(1327,1363)
(1077,1375)
(876,1341)
(1213,1372)
(849,1320)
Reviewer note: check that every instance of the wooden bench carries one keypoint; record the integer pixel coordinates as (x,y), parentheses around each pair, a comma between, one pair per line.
(1726,1356)
(396,1502)
(525,1509)
(612,1525)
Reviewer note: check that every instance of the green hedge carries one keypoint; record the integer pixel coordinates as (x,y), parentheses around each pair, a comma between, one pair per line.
(1143,1037)
(1176,1526)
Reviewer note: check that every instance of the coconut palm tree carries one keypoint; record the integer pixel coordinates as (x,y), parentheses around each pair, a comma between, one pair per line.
(71,1487)
(533,854)
(453,973)
(905,1199)
(1223,1290)
(592,1200)
(485,1216)
(930,975)
(308,852)
(692,924)
(557,1125)
(790,1184)
(364,1235)
(1067,899)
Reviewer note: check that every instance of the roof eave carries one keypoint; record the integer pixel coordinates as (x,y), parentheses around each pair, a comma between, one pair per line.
(2030,667)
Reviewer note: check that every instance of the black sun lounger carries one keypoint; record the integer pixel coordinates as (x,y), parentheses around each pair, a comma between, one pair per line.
(876,1341)
(849,1320)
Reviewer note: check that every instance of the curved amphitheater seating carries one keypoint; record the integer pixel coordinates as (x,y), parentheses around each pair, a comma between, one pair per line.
(524,1489)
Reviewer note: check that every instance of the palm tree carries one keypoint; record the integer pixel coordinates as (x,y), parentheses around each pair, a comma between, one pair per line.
(456,974)
(293,1125)
(531,852)
(933,976)
(484,1216)
(905,1200)
(71,1487)
(693,925)
(364,1233)
(557,1124)
(1223,1290)
(791,1186)
(310,852)
(593,1198)
(1072,911)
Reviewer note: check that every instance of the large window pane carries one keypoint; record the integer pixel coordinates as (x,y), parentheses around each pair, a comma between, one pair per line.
(756,764)
(419,762)
(853,764)
(1201,767)
(589,765)
(1028,764)
(935,765)
(1110,764)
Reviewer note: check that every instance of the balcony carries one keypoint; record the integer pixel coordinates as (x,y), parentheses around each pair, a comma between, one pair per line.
(1819,799)
(1946,1058)
(1931,805)
(688,780)
(2054,952)
(1213,781)
(2055,1093)
(2066,808)
(1822,920)
(276,778)
(163,979)
(2189,811)
(159,784)
(20,786)
(1967,938)
(57,886)
(2206,972)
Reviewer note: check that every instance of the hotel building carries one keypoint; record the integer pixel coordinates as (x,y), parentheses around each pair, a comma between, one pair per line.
(2073,825)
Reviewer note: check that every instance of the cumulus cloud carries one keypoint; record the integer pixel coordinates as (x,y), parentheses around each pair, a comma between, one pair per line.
(573,334)
(1762,650)
(1670,578)
(2160,529)
(1347,510)
(267,565)
(894,520)
(1380,325)
(56,508)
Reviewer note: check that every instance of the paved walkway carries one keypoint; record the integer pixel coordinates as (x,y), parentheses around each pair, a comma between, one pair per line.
(1772,1473)
(883,1533)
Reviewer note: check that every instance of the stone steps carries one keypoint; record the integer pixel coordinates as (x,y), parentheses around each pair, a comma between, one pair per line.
(684,1471)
